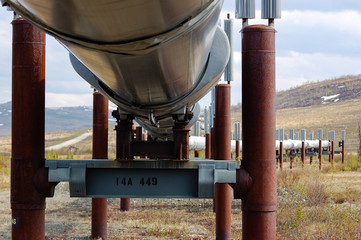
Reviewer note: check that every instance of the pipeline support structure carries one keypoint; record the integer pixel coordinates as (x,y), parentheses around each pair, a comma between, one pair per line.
(258,127)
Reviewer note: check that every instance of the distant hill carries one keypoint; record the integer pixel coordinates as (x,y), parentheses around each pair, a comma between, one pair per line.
(56,119)
(319,93)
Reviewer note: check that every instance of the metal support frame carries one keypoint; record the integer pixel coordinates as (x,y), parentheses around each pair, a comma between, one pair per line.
(281,155)
(303,154)
(320,154)
(258,128)
(100,151)
(208,146)
(28,185)
(223,192)
(141,178)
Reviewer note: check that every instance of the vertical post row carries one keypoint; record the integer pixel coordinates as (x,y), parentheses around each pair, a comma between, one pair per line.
(258,127)
(28,119)
(100,151)
(223,193)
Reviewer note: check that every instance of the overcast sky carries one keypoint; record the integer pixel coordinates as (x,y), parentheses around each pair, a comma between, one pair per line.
(315,40)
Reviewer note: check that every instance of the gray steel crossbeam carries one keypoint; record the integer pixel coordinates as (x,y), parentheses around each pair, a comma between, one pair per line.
(142,178)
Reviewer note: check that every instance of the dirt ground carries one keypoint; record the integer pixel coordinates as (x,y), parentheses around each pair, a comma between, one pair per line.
(70,218)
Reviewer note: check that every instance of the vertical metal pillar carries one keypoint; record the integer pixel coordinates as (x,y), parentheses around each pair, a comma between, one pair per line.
(343,151)
(223,192)
(212,142)
(259,126)
(181,139)
(208,146)
(332,152)
(100,151)
(291,158)
(281,155)
(124,132)
(311,157)
(138,134)
(238,151)
(329,149)
(303,154)
(320,154)
(28,117)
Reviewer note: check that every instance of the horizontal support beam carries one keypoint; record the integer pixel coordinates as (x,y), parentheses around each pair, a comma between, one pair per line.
(142,178)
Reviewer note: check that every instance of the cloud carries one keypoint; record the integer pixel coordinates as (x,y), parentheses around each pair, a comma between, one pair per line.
(67,100)
(295,68)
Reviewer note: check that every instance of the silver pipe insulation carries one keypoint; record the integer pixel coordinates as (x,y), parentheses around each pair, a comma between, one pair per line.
(199,143)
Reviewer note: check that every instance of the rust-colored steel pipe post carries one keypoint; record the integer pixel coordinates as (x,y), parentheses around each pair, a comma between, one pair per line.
(303,154)
(343,152)
(181,140)
(208,146)
(28,117)
(281,155)
(238,151)
(223,192)
(332,152)
(291,159)
(311,157)
(329,149)
(124,134)
(138,134)
(212,142)
(196,154)
(258,127)
(319,154)
(100,151)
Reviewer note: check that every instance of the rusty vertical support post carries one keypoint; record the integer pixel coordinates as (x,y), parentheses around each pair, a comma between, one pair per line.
(100,151)
(138,134)
(212,157)
(311,157)
(319,154)
(223,197)
(258,127)
(281,155)
(332,152)
(343,151)
(181,140)
(303,154)
(28,117)
(212,142)
(208,146)
(291,159)
(329,150)
(238,152)
(124,133)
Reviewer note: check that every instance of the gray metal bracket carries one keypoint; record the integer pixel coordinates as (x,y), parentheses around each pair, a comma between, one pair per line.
(142,178)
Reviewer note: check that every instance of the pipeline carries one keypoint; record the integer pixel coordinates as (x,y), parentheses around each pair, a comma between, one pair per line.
(153,59)
(197,143)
